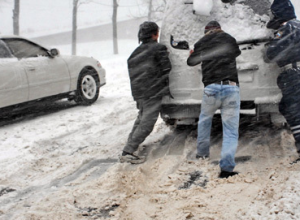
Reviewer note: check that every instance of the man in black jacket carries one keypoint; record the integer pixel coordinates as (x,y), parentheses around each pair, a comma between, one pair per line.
(217,51)
(284,49)
(149,68)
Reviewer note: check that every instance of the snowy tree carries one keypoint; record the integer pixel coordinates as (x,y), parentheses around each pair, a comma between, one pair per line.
(115,32)
(156,9)
(16,15)
(74,26)
(153,9)
(76,4)
(150,10)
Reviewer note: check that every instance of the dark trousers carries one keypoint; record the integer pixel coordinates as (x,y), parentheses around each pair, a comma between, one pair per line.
(149,110)
(289,106)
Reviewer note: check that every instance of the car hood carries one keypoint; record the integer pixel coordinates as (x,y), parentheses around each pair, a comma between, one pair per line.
(79,61)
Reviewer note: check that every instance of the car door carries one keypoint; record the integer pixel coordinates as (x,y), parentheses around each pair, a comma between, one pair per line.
(47,76)
(13,79)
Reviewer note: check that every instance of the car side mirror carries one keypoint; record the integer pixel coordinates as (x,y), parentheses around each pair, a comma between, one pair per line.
(54,52)
(181,45)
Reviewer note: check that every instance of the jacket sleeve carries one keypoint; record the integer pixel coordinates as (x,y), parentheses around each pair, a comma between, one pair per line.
(196,58)
(164,61)
(234,51)
(164,67)
(280,46)
(225,48)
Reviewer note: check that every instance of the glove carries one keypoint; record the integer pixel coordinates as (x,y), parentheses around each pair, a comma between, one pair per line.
(265,57)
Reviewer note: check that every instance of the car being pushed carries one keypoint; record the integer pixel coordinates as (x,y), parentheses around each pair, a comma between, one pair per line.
(30,72)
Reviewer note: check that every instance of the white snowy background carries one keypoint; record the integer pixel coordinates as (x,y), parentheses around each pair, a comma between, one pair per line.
(42,149)
(51,16)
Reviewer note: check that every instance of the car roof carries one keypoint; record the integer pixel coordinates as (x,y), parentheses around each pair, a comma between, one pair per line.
(11,36)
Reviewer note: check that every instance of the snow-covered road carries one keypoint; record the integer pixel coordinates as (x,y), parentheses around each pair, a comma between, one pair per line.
(59,161)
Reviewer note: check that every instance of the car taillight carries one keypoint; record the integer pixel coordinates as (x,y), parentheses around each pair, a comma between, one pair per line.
(98,64)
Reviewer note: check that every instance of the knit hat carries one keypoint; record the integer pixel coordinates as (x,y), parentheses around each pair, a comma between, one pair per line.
(147,29)
(282,10)
(212,25)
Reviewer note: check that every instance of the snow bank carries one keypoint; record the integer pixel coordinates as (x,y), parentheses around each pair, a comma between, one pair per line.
(203,7)
(52,165)
(51,162)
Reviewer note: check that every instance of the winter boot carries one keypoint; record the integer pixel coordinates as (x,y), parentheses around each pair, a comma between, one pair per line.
(202,157)
(226,174)
(295,161)
(298,151)
(131,158)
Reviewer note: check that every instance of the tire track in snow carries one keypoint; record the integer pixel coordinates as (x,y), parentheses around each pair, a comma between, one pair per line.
(29,113)
(171,144)
(39,192)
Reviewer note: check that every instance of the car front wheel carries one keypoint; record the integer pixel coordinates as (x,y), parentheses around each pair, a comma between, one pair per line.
(87,88)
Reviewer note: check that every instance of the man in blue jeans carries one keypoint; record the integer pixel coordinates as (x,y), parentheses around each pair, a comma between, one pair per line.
(217,51)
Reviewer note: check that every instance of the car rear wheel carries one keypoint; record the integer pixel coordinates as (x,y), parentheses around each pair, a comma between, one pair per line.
(87,88)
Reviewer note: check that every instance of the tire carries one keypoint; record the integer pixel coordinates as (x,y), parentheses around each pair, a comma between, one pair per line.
(87,88)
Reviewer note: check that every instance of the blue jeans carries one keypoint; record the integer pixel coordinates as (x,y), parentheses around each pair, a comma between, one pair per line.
(227,99)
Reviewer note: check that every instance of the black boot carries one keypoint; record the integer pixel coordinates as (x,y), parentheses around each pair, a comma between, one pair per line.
(298,151)
(131,158)
(226,174)
(295,161)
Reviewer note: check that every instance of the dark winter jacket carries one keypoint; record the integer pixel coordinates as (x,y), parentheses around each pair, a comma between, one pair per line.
(149,67)
(283,9)
(285,47)
(217,51)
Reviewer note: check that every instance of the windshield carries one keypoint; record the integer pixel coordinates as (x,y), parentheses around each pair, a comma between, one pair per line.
(4,50)
(24,49)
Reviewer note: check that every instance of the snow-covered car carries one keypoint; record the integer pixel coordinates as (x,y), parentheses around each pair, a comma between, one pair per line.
(183,25)
(30,72)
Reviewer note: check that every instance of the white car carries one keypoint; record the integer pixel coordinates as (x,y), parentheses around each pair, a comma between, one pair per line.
(245,21)
(30,72)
